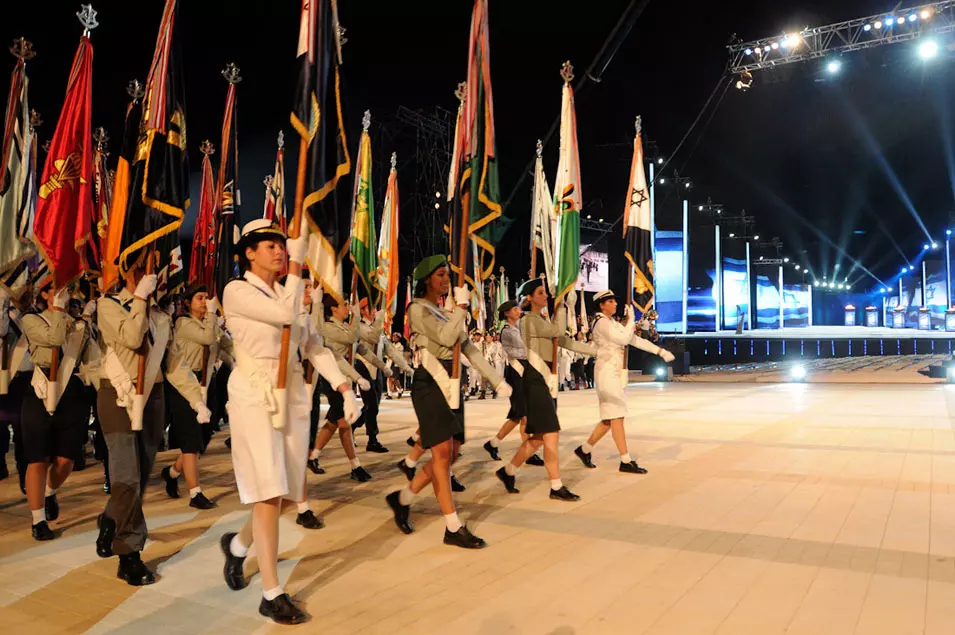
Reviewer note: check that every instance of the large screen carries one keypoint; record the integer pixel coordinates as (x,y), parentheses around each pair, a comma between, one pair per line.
(594,269)
(767,300)
(796,305)
(701,304)
(668,272)
(735,291)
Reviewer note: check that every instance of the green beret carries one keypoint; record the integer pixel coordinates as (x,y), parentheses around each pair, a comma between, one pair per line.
(504,308)
(530,286)
(428,266)
(192,290)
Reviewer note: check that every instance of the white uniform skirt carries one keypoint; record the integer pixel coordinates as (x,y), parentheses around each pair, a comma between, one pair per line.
(268,463)
(610,390)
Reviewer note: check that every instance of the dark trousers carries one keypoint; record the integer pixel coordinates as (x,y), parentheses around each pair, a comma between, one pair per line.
(10,407)
(315,421)
(131,458)
(220,388)
(369,408)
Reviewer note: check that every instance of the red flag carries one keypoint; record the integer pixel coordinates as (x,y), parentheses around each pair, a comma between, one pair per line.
(204,238)
(64,211)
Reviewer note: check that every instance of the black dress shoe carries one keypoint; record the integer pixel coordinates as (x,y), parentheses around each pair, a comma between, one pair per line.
(199,501)
(376,447)
(281,610)
(309,520)
(360,474)
(172,484)
(402,512)
(232,571)
(315,467)
(535,461)
(632,468)
(134,571)
(564,494)
(463,538)
(410,441)
(456,485)
(508,481)
(492,451)
(41,531)
(584,457)
(409,472)
(52,507)
(107,532)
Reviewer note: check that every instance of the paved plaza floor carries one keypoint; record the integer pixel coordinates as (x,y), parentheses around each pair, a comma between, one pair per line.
(769,508)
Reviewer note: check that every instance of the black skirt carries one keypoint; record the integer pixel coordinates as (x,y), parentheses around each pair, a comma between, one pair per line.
(518,404)
(61,434)
(436,420)
(185,433)
(336,403)
(541,407)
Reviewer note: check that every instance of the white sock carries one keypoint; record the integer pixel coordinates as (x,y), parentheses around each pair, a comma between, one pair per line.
(193,491)
(406,496)
(410,462)
(556,483)
(302,507)
(237,549)
(511,470)
(495,442)
(453,522)
(173,473)
(587,448)
(416,437)
(49,491)
(39,515)
(314,454)
(271,594)
(355,463)
(625,458)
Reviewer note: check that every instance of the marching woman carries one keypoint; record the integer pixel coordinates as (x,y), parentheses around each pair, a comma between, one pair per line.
(540,389)
(612,339)
(196,342)
(396,381)
(15,371)
(435,332)
(268,450)
(127,326)
(516,353)
(54,421)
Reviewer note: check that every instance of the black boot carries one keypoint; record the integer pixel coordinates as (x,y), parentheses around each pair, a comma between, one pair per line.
(407,471)
(492,451)
(172,484)
(564,494)
(309,520)
(508,481)
(632,468)
(585,457)
(52,507)
(134,571)
(463,538)
(232,571)
(107,532)
(41,531)
(401,512)
(281,610)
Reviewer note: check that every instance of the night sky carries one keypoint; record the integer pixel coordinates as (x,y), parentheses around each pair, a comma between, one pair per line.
(812,158)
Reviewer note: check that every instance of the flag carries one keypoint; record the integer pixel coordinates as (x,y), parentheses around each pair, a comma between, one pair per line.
(542,219)
(567,199)
(202,255)
(112,242)
(102,196)
(228,198)
(18,180)
(275,189)
(64,213)
(407,330)
(476,201)
(364,243)
(317,116)
(158,192)
(387,276)
(637,233)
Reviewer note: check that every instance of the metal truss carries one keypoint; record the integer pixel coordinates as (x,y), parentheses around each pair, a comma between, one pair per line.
(892,27)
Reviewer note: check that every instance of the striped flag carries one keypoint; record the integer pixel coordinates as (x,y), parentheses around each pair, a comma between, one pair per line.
(567,197)
(387,278)
(364,242)
(542,222)
(637,233)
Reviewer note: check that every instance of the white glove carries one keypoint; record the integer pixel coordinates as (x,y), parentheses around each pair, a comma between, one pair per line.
(212,305)
(364,384)
(146,286)
(666,355)
(388,373)
(628,314)
(89,309)
(462,296)
(296,247)
(351,406)
(61,299)
(504,389)
(203,414)
(317,294)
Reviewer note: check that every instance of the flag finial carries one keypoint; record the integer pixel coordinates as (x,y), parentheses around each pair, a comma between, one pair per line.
(23,49)
(567,72)
(281,139)
(207,148)
(87,17)
(540,148)
(135,90)
(461,91)
(394,160)
(638,124)
(231,73)
(366,121)
(101,138)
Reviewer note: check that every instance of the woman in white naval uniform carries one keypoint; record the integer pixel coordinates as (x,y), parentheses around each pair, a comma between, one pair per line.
(612,339)
(268,455)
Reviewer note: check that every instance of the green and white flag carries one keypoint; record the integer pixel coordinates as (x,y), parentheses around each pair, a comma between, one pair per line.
(364,243)
(567,199)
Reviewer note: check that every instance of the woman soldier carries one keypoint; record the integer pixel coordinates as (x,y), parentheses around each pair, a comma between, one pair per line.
(540,388)
(435,332)
(269,450)
(612,339)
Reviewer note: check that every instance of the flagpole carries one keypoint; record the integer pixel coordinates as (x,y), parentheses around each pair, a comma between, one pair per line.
(460,93)
(567,73)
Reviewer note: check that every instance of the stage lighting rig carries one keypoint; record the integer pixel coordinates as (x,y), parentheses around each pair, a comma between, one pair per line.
(934,19)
